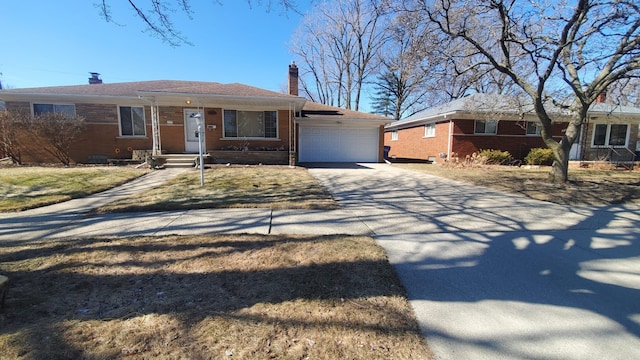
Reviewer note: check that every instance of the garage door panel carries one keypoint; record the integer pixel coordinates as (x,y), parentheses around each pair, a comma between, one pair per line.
(326,144)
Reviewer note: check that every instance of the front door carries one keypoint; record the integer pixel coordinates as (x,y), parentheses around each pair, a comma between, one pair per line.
(191,130)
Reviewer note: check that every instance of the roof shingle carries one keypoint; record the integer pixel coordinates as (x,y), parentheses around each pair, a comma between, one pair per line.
(131,89)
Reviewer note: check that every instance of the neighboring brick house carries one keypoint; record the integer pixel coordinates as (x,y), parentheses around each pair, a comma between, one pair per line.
(158,116)
(482,121)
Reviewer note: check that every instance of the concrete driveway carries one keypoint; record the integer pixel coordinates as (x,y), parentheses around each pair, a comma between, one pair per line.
(498,276)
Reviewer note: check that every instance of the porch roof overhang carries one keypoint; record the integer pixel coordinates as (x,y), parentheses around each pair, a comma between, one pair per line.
(166,99)
(215,100)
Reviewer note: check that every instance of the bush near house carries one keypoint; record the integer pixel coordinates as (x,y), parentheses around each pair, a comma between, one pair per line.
(497,157)
(539,156)
(9,147)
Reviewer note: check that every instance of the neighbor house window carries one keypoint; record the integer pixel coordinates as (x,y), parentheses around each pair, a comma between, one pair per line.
(394,135)
(486,127)
(39,109)
(533,128)
(250,124)
(430,130)
(610,135)
(132,121)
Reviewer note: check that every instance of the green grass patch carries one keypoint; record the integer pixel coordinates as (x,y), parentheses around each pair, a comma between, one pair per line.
(275,187)
(24,188)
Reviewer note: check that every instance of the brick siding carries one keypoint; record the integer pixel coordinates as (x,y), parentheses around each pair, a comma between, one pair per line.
(412,144)
(102,134)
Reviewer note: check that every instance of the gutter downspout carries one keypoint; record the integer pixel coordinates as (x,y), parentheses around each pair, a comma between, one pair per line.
(449,139)
(292,134)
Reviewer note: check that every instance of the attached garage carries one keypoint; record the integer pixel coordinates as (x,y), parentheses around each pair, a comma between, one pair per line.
(329,134)
(335,144)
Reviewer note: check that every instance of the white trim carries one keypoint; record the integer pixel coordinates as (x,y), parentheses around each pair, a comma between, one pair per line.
(224,137)
(395,135)
(432,132)
(185,119)
(607,137)
(144,120)
(450,140)
(538,128)
(475,130)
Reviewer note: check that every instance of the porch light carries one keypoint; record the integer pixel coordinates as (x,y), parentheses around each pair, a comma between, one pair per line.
(188,102)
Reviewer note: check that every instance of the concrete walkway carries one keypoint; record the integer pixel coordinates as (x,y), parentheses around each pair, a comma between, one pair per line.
(489,275)
(73,218)
(498,276)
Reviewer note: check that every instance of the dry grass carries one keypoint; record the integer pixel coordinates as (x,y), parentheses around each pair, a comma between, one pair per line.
(276,187)
(585,186)
(205,297)
(24,188)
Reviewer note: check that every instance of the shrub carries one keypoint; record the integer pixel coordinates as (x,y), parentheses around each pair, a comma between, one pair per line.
(495,157)
(9,146)
(539,156)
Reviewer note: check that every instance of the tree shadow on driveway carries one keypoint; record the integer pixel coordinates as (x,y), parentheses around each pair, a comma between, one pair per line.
(497,275)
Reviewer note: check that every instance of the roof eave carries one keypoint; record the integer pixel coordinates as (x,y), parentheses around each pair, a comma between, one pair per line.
(297,100)
(327,120)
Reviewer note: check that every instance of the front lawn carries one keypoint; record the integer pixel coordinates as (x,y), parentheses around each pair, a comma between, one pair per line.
(585,186)
(205,297)
(275,187)
(24,188)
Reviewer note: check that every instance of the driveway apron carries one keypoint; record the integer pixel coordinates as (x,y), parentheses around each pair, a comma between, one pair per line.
(492,275)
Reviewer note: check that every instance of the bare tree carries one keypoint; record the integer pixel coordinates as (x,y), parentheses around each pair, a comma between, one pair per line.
(156,14)
(625,92)
(338,43)
(9,146)
(55,133)
(574,50)
(432,68)
(401,83)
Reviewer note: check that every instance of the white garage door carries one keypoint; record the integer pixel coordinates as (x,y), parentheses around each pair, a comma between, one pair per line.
(328,144)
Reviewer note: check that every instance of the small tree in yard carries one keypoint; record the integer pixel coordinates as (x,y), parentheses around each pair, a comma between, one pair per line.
(55,133)
(9,127)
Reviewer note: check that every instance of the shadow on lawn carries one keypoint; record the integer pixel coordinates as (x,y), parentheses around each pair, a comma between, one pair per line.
(102,279)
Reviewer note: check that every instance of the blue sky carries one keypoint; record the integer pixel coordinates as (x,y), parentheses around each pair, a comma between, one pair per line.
(52,43)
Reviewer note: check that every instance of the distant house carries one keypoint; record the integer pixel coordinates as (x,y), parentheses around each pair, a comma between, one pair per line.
(159,117)
(482,121)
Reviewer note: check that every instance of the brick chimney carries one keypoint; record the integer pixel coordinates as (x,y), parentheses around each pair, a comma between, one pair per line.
(293,79)
(95,78)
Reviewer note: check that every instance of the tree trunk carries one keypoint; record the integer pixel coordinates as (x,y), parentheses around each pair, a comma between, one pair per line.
(560,168)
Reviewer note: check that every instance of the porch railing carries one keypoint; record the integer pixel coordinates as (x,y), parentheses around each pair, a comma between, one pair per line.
(620,157)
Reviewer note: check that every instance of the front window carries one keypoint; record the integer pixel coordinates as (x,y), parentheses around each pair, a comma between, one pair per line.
(533,128)
(610,135)
(39,109)
(486,127)
(394,135)
(132,121)
(430,130)
(250,124)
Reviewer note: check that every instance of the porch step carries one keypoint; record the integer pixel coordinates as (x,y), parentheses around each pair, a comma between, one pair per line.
(180,160)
